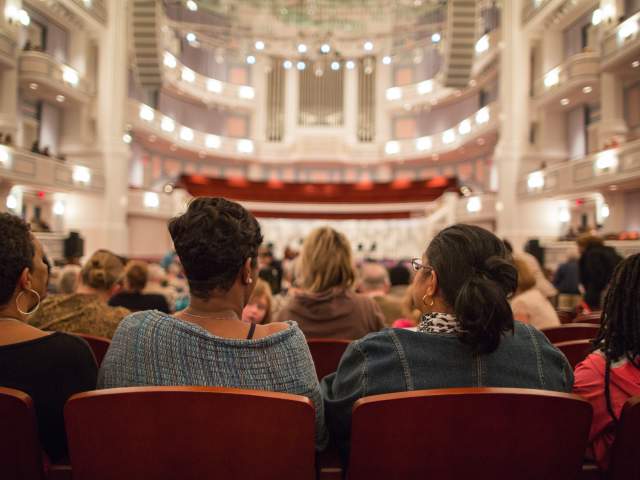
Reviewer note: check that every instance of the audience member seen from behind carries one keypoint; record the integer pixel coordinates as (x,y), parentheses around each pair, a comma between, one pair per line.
(528,304)
(69,279)
(327,307)
(542,283)
(400,278)
(375,283)
(208,344)
(158,283)
(567,282)
(597,262)
(50,367)
(611,374)
(467,336)
(270,269)
(132,297)
(258,310)
(86,311)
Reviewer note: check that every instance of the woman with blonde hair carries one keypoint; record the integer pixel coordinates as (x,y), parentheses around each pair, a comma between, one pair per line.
(327,306)
(529,305)
(86,311)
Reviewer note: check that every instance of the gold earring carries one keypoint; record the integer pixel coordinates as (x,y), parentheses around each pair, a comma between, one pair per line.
(34,308)
(428,304)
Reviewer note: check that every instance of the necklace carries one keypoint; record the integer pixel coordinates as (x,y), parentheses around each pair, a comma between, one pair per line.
(210,317)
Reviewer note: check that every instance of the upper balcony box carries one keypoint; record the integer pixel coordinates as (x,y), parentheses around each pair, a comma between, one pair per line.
(574,82)
(207,90)
(45,78)
(621,46)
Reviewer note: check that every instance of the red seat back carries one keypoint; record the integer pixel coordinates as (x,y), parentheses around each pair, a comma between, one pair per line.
(326,354)
(464,433)
(565,316)
(20,452)
(593,317)
(99,345)
(571,331)
(625,451)
(575,350)
(190,433)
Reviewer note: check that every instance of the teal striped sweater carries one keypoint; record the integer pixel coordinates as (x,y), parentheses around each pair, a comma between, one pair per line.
(153,348)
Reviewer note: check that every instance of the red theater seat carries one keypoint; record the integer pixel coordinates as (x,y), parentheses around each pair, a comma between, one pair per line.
(575,350)
(571,331)
(20,452)
(190,433)
(593,317)
(326,354)
(469,433)
(99,345)
(625,453)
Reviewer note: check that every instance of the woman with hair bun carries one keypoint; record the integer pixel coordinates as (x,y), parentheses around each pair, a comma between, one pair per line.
(86,311)
(207,343)
(466,337)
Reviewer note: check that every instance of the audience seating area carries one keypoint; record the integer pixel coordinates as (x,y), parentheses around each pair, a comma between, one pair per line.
(170,433)
(575,350)
(573,331)
(99,345)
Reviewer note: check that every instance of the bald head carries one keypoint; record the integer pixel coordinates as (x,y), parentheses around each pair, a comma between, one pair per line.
(374,278)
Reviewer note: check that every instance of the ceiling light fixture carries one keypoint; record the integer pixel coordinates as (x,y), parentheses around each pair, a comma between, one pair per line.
(259,45)
(251,59)
(368,46)
(60,98)
(350,64)
(287,64)
(302,48)
(325,48)
(436,37)
(335,65)
(301,66)
(564,102)
(192,5)
(386,59)
(587,89)
(635,64)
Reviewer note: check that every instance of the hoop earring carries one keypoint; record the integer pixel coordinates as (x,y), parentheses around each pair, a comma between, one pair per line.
(428,304)
(34,309)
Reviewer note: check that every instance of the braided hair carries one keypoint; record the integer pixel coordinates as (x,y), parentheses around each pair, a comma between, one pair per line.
(619,335)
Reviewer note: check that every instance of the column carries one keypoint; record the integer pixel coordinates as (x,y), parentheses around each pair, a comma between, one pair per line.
(291,104)
(259,80)
(612,127)
(112,96)
(5,189)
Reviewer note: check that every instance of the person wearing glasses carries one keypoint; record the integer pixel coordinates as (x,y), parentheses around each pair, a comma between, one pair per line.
(208,344)
(466,337)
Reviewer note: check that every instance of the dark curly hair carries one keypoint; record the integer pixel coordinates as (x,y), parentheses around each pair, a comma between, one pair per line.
(476,277)
(16,253)
(619,335)
(213,240)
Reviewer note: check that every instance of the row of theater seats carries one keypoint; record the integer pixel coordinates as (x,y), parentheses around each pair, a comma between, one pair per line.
(189,433)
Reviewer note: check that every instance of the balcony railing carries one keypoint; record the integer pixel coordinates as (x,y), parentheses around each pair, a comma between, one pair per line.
(595,171)
(26,168)
(622,38)
(144,117)
(579,68)
(209,90)
(42,67)
(482,122)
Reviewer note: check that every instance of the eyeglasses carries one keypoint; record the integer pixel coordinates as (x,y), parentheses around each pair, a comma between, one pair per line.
(417,265)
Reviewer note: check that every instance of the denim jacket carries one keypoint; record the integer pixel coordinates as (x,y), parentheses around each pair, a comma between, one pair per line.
(395,360)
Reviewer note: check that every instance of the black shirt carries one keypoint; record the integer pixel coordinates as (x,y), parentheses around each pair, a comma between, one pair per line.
(50,369)
(137,302)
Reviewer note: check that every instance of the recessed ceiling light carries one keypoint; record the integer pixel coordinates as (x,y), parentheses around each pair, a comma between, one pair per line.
(635,64)
(335,65)
(33,86)
(564,102)
(287,64)
(60,98)
(192,5)
(436,37)
(350,64)
(587,89)
(302,48)
(386,59)
(301,66)
(251,59)
(613,187)
(259,45)
(191,37)
(325,48)
(368,46)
